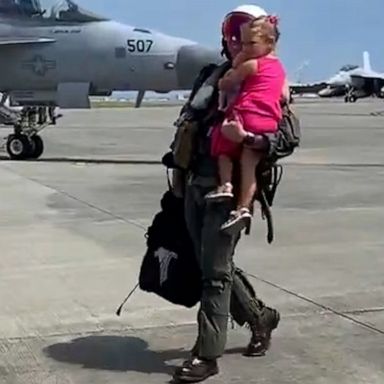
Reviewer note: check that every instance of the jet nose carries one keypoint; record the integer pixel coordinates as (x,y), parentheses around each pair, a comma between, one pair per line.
(190,61)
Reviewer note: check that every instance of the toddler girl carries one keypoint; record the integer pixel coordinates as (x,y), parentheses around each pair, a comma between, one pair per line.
(258,77)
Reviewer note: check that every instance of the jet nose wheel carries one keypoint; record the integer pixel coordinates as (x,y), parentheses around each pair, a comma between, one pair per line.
(18,147)
(37,147)
(22,147)
(350,99)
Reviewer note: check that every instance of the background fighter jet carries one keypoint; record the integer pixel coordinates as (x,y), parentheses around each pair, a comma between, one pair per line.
(355,82)
(55,53)
(367,82)
(339,84)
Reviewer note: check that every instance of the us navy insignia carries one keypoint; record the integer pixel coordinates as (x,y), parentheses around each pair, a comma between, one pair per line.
(39,65)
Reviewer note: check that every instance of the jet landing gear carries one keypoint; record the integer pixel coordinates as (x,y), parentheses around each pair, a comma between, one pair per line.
(350,96)
(25,143)
(350,99)
(23,147)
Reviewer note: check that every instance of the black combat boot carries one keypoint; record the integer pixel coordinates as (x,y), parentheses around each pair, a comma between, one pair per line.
(262,332)
(196,370)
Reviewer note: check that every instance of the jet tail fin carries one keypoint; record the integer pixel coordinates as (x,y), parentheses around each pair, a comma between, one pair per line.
(367,62)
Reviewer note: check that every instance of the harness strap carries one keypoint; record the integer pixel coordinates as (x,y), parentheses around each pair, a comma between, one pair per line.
(266,194)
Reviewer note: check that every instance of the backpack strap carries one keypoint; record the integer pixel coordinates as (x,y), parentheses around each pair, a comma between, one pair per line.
(170,188)
(268,177)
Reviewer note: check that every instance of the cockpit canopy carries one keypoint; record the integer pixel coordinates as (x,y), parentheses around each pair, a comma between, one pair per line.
(348,67)
(54,10)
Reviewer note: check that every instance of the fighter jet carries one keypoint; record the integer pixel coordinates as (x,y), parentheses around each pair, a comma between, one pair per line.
(55,53)
(367,82)
(354,82)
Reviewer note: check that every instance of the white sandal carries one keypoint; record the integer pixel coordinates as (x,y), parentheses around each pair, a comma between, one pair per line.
(224,192)
(238,220)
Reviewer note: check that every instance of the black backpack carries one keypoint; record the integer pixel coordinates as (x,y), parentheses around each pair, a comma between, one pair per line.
(170,268)
(288,136)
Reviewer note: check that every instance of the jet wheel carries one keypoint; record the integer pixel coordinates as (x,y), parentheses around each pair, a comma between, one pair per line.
(37,147)
(18,147)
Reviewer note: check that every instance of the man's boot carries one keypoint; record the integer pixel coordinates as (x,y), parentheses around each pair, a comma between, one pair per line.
(262,329)
(196,370)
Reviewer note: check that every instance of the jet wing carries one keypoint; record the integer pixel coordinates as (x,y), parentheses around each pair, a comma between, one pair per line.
(22,40)
(306,88)
(372,76)
(370,83)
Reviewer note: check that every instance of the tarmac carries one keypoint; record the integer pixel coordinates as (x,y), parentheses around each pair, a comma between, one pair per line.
(72,239)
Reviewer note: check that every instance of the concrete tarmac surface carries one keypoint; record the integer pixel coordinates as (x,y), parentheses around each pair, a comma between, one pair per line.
(72,239)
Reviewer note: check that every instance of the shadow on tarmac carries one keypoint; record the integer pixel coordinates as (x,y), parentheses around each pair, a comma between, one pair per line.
(115,353)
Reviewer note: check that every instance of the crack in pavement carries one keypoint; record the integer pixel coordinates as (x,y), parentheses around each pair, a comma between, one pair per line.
(344,315)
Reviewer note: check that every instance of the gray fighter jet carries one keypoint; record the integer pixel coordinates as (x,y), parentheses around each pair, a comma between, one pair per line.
(54,53)
(354,82)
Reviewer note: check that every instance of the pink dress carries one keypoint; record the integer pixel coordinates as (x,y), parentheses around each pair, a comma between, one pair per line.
(257,107)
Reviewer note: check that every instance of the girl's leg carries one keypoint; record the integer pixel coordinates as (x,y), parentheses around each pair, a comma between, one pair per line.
(224,150)
(225,169)
(224,191)
(222,100)
(249,161)
(241,218)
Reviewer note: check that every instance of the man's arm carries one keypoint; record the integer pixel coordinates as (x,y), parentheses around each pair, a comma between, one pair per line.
(186,108)
(178,175)
(237,134)
(201,77)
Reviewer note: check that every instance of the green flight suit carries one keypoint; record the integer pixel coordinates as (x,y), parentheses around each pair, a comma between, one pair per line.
(226,290)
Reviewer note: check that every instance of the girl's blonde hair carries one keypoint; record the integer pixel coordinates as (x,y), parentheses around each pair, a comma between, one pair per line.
(263,29)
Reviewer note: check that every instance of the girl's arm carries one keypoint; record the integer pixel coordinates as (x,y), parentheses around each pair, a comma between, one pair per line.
(246,69)
(239,74)
(286,93)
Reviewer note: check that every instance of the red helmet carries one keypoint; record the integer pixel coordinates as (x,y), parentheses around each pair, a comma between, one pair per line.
(240,15)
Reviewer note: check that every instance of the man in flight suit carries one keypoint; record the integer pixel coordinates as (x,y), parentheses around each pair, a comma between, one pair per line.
(226,290)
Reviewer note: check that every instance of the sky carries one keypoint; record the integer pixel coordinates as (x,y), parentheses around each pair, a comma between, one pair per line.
(324,33)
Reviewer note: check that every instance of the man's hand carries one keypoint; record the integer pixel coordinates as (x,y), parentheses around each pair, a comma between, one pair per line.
(233,131)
